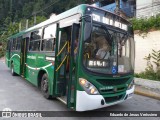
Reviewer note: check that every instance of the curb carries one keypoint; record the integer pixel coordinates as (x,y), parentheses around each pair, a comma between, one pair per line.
(140,90)
(151,84)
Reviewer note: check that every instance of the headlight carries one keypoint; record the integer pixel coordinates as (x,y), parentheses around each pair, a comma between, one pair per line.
(88,87)
(131,85)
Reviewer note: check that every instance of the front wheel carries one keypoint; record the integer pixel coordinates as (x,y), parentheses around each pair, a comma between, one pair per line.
(45,86)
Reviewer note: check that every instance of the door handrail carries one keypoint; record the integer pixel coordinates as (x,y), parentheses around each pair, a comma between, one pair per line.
(62,48)
(61,63)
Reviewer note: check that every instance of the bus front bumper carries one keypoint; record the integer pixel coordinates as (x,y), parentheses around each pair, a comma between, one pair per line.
(86,102)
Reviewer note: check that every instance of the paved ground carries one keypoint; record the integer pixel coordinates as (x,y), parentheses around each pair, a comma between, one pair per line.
(18,94)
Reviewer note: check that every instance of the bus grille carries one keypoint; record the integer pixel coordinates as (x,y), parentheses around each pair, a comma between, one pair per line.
(112,82)
(113,91)
(113,99)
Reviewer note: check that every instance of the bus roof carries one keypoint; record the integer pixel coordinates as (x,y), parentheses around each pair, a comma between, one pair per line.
(65,14)
(75,10)
(17,35)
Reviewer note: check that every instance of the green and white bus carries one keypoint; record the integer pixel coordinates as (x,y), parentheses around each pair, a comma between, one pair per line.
(84,57)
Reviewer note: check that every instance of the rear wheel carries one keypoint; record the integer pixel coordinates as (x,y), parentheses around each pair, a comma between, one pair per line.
(12,70)
(45,86)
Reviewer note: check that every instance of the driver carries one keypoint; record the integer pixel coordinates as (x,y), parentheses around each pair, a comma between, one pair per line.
(103,52)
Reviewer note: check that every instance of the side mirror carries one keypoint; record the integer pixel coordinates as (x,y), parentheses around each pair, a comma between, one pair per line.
(88,26)
(88,31)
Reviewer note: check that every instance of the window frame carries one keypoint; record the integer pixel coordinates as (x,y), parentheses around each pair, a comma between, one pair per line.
(35,40)
(8,45)
(18,39)
(14,43)
(45,39)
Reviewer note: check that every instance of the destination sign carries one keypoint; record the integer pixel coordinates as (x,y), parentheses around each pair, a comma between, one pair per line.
(98,63)
(108,21)
(108,18)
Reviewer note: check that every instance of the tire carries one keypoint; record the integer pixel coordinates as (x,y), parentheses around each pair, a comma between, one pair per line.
(44,86)
(12,70)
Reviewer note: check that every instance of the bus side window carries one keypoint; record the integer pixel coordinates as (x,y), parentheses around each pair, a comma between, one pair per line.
(18,44)
(48,40)
(47,45)
(14,42)
(8,45)
(35,39)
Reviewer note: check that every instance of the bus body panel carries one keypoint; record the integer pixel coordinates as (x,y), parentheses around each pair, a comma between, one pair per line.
(35,63)
(39,62)
(90,102)
(7,58)
(31,69)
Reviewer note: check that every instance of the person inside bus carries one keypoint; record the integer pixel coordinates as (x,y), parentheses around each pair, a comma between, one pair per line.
(104,50)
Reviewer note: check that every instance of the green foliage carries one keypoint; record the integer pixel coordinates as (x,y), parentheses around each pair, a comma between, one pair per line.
(10,29)
(145,25)
(27,8)
(39,19)
(150,73)
(13,28)
(16,10)
(1,54)
(13,12)
(156,58)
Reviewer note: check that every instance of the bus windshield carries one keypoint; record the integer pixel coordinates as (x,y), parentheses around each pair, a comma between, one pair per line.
(108,52)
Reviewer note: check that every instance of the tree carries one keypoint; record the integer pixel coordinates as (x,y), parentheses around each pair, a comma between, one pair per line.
(12,12)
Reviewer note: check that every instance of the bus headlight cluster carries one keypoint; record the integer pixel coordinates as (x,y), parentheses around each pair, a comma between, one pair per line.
(88,87)
(131,85)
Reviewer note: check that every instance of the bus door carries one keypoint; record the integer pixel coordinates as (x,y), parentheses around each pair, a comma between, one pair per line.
(65,84)
(61,57)
(71,98)
(24,46)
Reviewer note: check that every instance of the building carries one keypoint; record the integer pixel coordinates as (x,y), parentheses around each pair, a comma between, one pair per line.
(133,8)
(127,7)
(147,8)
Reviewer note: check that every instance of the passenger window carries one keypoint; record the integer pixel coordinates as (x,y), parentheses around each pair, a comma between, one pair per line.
(48,45)
(14,42)
(18,44)
(8,44)
(48,42)
(50,31)
(35,35)
(35,40)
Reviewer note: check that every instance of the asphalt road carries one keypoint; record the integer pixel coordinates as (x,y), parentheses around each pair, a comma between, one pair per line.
(18,94)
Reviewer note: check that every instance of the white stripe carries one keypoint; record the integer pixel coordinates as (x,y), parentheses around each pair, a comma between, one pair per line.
(39,67)
(32,68)
(12,57)
(15,55)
